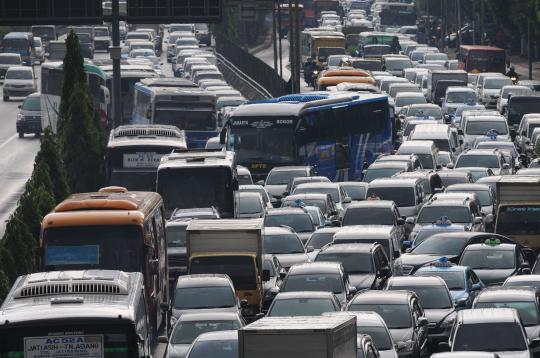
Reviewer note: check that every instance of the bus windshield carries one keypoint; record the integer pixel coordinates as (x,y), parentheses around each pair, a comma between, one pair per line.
(184,188)
(274,143)
(515,220)
(15,44)
(108,247)
(486,61)
(46,33)
(241,269)
(101,337)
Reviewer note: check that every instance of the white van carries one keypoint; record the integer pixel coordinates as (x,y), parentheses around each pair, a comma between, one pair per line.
(426,150)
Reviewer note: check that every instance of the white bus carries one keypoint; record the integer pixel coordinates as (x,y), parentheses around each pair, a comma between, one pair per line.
(51,89)
(191,110)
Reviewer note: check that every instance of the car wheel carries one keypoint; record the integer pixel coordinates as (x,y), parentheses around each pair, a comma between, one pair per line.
(6,98)
(21,134)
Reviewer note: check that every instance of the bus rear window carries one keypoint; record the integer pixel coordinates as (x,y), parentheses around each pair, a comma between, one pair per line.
(61,340)
(241,269)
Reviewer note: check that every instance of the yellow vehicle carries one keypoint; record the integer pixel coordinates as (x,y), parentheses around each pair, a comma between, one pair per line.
(234,248)
(335,77)
(518,209)
(318,45)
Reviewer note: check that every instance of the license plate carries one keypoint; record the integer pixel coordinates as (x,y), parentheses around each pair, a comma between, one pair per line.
(258,166)
(88,346)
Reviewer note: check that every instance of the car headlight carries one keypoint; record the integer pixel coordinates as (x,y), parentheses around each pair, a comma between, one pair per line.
(19,117)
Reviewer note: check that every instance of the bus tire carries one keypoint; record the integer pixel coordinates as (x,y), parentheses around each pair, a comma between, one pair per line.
(21,134)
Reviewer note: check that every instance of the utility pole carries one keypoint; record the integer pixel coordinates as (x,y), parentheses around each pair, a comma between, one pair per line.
(474,35)
(529,46)
(291,38)
(458,10)
(274,39)
(280,50)
(297,44)
(482,30)
(443,24)
(115,51)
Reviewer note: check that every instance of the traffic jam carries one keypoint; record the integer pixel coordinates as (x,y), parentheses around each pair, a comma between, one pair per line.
(391,209)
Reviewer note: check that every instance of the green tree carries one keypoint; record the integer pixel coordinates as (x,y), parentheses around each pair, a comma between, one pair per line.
(49,154)
(21,246)
(4,286)
(82,143)
(73,73)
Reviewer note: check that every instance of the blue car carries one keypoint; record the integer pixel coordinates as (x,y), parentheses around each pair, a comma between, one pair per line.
(440,226)
(462,282)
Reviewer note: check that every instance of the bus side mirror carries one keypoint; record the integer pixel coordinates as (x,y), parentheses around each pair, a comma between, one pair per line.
(266,275)
(106,94)
(222,136)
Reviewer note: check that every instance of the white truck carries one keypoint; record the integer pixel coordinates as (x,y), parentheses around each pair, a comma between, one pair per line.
(231,247)
(299,337)
(446,75)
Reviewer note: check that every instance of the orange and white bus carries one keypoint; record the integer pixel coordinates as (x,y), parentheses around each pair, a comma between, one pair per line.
(478,59)
(112,229)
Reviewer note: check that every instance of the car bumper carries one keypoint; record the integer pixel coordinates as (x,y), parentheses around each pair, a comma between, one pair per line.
(22,92)
(29,126)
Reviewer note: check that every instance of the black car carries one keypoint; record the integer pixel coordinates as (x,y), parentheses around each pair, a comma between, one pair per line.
(494,261)
(271,287)
(402,314)
(366,264)
(29,117)
(450,245)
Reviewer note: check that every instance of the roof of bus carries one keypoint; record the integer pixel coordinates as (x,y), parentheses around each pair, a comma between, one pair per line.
(335,80)
(156,135)
(197,159)
(168,82)
(294,105)
(109,206)
(33,298)
(175,91)
(88,67)
(17,35)
(482,48)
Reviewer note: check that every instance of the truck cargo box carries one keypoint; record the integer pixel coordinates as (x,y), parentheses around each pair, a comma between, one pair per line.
(299,337)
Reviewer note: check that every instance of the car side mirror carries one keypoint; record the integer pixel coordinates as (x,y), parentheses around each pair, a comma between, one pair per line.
(444,346)
(19,106)
(438,166)
(525,268)
(282,274)
(260,182)
(506,166)
(266,275)
(460,131)
(165,307)
(449,166)
(163,339)
(310,248)
(407,244)
(284,194)
(478,220)
(347,200)
(476,287)
(422,322)
(384,271)
(461,303)
(401,221)
(410,220)
(336,223)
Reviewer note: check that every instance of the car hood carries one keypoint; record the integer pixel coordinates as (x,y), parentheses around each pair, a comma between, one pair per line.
(390,353)
(511,354)
(420,260)
(492,277)
(287,260)
(362,281)
(435,316)
(27,113)
(177,350)
(275,190)
(401,334)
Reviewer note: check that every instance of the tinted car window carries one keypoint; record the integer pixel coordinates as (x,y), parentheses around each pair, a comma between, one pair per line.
(395,316)
(186,332)
(402,196)
(380,336)
(203,297)
(454,280)
(353,263)
(431,214)
(355,192)
(315,282)
(318,240)
(368,216)
(438,246)
(527,310)
(301,307)
(492,337)
(489,259)
(221,349)
(298,222)
(431,297)
(282,244)
(283,177)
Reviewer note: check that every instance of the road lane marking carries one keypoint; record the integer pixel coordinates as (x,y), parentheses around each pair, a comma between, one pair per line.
(8,141)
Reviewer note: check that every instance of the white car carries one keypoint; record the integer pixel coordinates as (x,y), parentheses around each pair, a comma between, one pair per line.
(19,82)
(40,49)
(511,90)
(456,97)
(491,89)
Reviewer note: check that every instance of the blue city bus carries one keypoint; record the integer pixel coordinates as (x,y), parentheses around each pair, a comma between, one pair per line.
(189,109)
(21,43)
(337,133)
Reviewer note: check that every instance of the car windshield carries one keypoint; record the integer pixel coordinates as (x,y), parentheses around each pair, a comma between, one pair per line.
(436,57)
(482,161)
(190,298)
(431,297)
(282,177)
(483,195)
(516,92)
(402,196)
(316,282)
(368,216)
(214,348)
(31,104)
(456,214)
(406,101)
(10,60)
(518,220)
(176,236)
(353,263)
(496,83)
(424,112)
(481,128)
(374,173)
(440,246)
(334,192)
(334,60)
(527,310)
(460,97)
(283,244)
(301,307)
(490,337)
(18,75)
(101,32)
(455,280)
(250,205)
(319,239)
(186,332)
(489,259)
(396,64)
(424,234)
(380,336)
(298,222)
(355,192)
(395,316)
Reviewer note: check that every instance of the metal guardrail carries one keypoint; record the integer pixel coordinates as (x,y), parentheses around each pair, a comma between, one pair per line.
(251,66)
(256,91)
